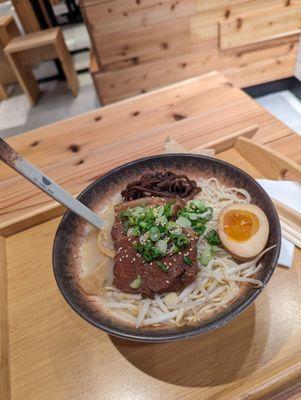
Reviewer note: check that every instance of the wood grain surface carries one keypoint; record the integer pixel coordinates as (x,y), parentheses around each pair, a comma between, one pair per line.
(54,354)
(143,45)
(76,151)
(258,27)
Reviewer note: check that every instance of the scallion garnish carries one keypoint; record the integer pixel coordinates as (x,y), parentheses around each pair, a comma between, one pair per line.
(137,282)
(213,238)
(154,234)
(162,266)
(187,260)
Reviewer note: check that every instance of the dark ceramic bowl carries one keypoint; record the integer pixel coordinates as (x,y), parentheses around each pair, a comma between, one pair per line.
(72,230)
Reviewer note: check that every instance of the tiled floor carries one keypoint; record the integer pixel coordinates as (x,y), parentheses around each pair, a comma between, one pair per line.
(55,103)
(284,106)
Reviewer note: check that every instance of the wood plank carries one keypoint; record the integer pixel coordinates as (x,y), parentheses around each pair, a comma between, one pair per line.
(22,204)
(259,27)
(185,111)
(161,58)
(237,66)
(8,30)
(32,41)
(81,360)
(143,43)
(61,140)
(124,15)
(50,144)
(25,78)
(269,70)
(26,15)
(194,98)
(217,9)
(67,63)
(4,329)
(85,3)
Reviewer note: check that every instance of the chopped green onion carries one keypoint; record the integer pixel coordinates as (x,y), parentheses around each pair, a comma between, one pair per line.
(143,224)
(199,228)
(132,220)
(136,231)
(168,208)
(182,241)
(125,213)
(154,234)
(183,222)
(213,238)
(130,232)
(162,246)
(199,205)
(162,266)
(187,260)
(138,211)
(174,249)
(206,257)
(193,216)
(170,225)
(176,231)
(161,220)
(137,282)
(160,211)
(214,248)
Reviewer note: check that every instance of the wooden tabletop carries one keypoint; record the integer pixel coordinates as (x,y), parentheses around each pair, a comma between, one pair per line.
(50,353)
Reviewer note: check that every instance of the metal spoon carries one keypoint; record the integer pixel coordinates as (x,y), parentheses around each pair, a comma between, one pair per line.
(43,182)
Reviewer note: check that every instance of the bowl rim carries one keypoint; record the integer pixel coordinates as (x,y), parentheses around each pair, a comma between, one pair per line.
(196,330)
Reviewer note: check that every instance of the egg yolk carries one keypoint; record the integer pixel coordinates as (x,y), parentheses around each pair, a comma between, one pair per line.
(240,225)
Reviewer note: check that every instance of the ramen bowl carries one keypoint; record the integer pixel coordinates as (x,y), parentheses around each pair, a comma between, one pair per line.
(72,232)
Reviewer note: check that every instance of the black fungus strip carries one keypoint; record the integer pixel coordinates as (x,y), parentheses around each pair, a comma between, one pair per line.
(160,184)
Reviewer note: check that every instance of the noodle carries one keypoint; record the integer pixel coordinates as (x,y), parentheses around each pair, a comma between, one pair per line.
(216,285)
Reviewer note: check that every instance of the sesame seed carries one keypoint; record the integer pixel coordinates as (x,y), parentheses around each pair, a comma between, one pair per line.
(126,256)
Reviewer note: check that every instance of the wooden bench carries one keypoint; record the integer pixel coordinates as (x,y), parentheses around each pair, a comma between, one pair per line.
(25,51)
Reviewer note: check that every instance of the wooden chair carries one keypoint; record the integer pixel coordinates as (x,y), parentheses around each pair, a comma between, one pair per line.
(25,51)
(8,30)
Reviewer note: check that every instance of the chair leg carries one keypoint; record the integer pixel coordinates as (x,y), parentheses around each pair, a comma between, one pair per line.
(25,78)
(67,64)
(3,93)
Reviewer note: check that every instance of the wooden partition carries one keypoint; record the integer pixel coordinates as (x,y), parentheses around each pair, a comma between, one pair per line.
(141,45)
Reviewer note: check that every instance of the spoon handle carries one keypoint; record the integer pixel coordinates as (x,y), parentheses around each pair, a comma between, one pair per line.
(43,182)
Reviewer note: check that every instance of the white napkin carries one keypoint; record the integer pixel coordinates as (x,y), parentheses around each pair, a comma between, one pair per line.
(288,193)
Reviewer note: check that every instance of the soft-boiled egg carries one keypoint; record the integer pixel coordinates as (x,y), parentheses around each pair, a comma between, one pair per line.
(243,230)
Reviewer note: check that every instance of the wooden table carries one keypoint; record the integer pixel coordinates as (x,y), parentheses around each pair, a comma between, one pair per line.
(48,352)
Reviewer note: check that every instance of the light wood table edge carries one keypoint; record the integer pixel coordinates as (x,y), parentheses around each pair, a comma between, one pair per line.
(29,220)
(278,384)
(5,392)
